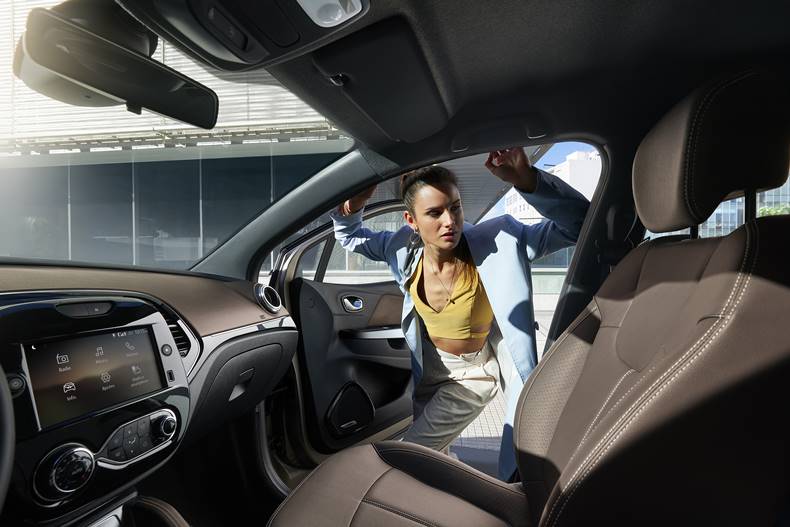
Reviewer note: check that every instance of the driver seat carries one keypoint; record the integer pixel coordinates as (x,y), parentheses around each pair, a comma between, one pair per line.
(658,405)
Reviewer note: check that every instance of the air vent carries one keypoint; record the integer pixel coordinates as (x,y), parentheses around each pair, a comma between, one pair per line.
(182,341)
(268,298)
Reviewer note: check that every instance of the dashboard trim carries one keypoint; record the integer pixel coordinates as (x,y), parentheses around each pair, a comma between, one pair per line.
(214,341)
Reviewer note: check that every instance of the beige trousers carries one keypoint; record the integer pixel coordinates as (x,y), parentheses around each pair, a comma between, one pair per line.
(466,384)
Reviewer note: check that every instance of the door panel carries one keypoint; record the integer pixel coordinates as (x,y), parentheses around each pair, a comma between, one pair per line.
(355,363)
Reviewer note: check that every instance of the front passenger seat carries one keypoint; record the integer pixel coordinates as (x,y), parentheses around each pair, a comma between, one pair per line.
(664,401)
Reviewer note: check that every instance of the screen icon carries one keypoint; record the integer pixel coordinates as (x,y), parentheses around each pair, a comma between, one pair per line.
(99,351)
(137,370)
(129,346)
(62,359)
(105,377)
(69,387)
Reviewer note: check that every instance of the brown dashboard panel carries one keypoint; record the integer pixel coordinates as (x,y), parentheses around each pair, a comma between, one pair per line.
(210,305)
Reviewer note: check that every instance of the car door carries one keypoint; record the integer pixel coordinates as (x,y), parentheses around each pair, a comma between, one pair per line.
(354,366)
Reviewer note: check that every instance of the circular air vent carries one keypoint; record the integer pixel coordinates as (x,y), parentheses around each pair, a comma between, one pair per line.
(268,298)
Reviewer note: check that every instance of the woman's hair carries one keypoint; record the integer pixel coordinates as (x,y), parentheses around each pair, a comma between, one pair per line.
(436,176)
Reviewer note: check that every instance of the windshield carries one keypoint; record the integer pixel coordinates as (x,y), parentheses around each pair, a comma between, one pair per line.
(106,186)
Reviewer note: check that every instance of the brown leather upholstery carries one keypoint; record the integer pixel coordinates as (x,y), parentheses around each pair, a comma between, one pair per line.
(673,413)
(662,404)
(401,484)
(694,157)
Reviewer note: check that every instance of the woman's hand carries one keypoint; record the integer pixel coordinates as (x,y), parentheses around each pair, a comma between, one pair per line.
(512,166)
(352,205)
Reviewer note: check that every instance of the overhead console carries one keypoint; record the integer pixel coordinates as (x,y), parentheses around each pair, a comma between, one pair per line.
(235,35)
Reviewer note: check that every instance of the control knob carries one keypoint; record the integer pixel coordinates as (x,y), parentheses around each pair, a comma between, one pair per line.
(64,470)
(163,427)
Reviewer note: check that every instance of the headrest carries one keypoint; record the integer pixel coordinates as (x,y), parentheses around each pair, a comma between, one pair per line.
(723,139)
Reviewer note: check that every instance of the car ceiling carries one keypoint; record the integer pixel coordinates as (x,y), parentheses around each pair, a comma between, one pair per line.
(578,69)
(420,81)
(479,190)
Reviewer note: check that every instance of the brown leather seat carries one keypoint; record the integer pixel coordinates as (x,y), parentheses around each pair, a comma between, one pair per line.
(663,402)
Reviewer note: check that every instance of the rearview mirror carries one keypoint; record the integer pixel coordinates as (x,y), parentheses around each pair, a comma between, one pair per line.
(70,63)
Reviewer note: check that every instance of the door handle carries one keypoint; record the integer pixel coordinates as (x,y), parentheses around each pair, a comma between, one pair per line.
(353,304)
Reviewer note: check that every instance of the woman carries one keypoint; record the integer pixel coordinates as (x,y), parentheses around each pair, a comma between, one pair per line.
(458,279)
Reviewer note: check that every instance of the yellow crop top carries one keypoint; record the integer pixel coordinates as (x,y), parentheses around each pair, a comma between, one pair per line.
(468,308)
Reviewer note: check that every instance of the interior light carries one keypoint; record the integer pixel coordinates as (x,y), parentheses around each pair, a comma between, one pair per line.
(330,13)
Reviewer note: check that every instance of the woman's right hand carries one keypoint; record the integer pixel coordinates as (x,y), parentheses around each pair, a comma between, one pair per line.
(354,204)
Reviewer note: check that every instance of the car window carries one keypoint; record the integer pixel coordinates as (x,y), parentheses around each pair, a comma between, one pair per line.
(351,268)
(774,202)
(730,215)
(105,186)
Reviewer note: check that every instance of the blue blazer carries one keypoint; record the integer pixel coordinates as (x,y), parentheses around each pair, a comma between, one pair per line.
(502,249)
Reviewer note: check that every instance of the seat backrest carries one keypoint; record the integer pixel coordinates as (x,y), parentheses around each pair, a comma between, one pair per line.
(662,402)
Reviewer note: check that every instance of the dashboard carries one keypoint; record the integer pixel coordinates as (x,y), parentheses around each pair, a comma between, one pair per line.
(111,370)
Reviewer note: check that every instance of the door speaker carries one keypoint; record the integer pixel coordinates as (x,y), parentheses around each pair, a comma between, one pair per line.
(351,410)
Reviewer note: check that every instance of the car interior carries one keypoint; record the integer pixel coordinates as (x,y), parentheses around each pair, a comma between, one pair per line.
(251,389)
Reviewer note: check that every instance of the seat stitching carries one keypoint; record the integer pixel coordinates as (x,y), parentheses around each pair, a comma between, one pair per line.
(600,410)
(703,108)
(412,517)
(288,497)
(663,376)
(365,495)
(495,484)
(549,354)
(670,375)
(641,399)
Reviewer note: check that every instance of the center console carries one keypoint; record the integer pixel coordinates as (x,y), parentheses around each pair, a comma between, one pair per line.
(100,393)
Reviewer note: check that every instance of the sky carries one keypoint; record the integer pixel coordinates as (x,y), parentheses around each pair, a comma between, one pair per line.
(557,153)
(554,156)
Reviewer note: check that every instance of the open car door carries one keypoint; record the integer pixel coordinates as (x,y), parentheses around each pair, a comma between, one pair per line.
(353,366)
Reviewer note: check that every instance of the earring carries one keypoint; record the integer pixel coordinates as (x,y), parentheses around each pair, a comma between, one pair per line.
(414,239)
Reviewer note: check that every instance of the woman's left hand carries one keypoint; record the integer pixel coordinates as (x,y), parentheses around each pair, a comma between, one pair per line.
(512,166)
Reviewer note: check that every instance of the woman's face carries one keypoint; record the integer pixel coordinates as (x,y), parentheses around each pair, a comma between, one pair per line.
(438,216)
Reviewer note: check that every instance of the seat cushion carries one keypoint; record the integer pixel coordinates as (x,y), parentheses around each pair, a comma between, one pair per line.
(401,484)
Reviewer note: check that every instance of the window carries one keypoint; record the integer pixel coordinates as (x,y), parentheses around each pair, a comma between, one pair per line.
(774,202)
(730,215)
(351,268)
(102,185)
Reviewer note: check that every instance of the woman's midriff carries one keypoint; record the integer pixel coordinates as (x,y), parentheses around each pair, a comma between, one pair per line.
(459,346)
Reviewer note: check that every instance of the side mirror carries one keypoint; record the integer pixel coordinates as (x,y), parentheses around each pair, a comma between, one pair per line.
(68,62)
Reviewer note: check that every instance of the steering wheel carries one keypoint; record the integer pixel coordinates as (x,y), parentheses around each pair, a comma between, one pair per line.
(6,437)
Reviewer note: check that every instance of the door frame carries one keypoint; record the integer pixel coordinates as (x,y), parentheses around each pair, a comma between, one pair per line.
(287,261)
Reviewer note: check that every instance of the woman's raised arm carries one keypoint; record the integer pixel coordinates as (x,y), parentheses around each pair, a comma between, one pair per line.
(353,237)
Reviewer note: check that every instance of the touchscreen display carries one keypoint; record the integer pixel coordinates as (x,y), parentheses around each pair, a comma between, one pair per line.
(81,375)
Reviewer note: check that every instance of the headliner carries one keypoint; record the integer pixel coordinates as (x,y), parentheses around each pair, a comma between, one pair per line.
(587,70)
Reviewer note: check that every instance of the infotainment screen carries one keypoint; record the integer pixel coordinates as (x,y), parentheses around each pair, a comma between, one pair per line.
(84,374)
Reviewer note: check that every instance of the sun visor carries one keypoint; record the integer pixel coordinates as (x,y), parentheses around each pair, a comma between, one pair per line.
(381,69)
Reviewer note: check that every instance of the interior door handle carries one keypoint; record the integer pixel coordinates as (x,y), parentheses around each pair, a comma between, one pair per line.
(353,304)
